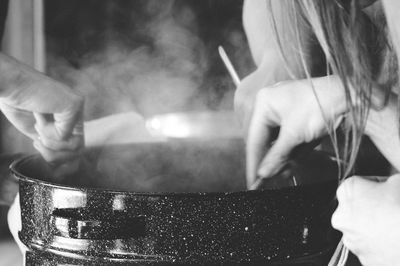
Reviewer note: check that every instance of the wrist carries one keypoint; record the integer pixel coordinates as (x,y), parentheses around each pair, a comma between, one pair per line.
(332,95)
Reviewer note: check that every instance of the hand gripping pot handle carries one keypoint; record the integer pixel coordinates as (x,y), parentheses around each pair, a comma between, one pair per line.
(80,223)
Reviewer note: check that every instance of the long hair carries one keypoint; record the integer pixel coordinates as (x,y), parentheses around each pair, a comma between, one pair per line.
(356,50)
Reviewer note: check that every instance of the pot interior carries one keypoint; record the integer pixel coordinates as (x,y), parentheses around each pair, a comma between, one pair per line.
(177,166)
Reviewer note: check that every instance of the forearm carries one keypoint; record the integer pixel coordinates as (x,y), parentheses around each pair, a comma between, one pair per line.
(383,126)
(27,89)
(392,9)
(15,75)
(19,81)
(383,129)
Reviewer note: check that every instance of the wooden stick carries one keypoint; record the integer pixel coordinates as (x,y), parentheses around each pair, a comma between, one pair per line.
(229,65)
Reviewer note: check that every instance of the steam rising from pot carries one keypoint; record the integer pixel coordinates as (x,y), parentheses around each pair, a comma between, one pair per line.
(163,64)
(166,69)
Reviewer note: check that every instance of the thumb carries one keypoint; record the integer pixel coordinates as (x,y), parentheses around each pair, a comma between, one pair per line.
(354,195)
(356,187)
(278,155)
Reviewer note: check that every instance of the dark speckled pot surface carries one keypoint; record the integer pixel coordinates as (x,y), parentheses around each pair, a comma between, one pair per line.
(146,204)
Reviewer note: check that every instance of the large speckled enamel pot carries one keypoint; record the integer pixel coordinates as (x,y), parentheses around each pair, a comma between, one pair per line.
(153,205)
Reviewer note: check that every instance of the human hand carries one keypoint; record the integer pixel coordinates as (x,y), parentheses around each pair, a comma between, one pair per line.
(245,95)
(62,154)
(269,72)
(57,131)
(26,94)
(369,216)
(64,108)
(24,91)
(302,118)
(53,147)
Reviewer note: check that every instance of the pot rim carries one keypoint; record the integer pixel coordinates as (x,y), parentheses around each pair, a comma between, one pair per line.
(24,178)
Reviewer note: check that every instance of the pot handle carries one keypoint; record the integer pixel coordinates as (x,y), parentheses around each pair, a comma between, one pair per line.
(77,223)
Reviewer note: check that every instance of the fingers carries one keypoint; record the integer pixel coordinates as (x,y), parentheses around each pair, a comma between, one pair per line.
(355,187)
(49,137)
(278,155)
(54,156)
(359,203)
(52,146)
(65,122)
(244,100)
(275,159)
(352,196)
(259,135)
(74,143)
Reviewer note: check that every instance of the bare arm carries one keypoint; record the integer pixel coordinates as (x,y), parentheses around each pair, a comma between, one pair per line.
(271,67)
(383,126)
(24,91)
(392,9)
(260,28)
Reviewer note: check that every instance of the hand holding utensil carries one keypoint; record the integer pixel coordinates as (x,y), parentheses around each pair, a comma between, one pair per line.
(62,153)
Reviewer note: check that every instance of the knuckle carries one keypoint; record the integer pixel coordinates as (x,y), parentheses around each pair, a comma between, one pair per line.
(340,220)
(290,134)
(346,189)
(263,94)
(335,220)
(263,100)
(340,192)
